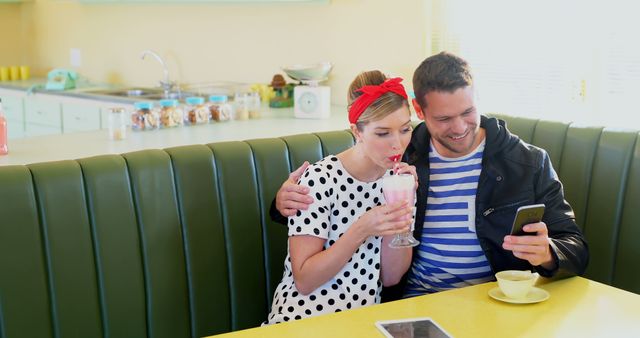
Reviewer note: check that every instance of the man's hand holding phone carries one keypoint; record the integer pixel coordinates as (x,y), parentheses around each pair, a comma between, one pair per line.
(529,237)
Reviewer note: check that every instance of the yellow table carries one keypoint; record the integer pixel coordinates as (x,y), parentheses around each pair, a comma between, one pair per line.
(578,307)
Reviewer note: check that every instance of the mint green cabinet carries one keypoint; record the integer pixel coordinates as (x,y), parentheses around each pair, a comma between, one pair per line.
(80,117)
(43,116)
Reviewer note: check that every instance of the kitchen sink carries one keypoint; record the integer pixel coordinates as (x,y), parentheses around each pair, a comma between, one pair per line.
(141,93)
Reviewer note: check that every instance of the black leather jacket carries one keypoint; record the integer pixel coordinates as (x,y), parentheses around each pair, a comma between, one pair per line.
(514,174)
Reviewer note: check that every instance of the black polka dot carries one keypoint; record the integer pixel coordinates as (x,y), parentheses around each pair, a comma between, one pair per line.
(339,172)
(323,292)
(336,212)
(370,246)
(312,297)
(311,183)
(355,266)
(353,212)
(363,271)
(343,187)
(331,301)
(359,204)
(298,213)
(290,309)
(346,273)
(286,319)
(334,159)
(356,297)
(298,317)
(319,307)
(334,227)
(318,196)
(376,250)
(345,220)
(362,287)
(291,221)
(366,195)
(352,196)
(364,302)
(372,292)
(294,294)
(323,180)
(345,204)
(349,180)
(331,242)
(354,281)
(307,221)
(348,305)
(335,180)
(316,231)
(370,276)
(376,200)
(339,281)
(338,310)
(285,294)
(307,312)
(301,301)
(362,255)
(370,261)
(317,170)
(359,188)
(298,229)
(343,296)
(324,225)
(334,286)
(374,185)
(329,166)
(377,266)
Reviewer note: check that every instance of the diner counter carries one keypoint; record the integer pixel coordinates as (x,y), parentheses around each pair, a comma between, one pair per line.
(272,123)
(577,307)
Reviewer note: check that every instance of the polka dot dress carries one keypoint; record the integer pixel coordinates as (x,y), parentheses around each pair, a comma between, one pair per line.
(339,200)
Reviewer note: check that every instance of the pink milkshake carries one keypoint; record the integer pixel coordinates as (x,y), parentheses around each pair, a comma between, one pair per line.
(400,187)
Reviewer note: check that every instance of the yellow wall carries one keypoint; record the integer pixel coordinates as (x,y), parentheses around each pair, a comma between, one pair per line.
(214,42)
(15,35)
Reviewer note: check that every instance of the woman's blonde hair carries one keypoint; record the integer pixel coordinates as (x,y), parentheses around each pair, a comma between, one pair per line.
(386,104)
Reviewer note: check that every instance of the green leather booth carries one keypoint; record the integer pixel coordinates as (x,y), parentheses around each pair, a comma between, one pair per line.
(178,242)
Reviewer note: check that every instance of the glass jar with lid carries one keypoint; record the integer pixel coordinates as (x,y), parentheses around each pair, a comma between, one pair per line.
(219,108)
(117,124)
(170,114)
(253,105)
(144,117)
(196,112)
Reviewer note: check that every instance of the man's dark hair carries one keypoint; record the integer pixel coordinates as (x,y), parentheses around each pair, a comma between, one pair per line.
(443,72)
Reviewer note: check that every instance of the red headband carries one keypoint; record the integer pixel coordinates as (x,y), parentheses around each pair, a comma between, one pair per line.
(372,93)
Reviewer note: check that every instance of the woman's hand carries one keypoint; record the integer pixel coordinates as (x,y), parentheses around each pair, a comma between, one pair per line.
(385,220)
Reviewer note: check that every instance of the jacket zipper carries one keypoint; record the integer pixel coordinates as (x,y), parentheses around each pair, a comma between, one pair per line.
(491,210)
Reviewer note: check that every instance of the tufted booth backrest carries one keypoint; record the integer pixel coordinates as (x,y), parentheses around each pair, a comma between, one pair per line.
(155,243)
(600,171)
(178,242)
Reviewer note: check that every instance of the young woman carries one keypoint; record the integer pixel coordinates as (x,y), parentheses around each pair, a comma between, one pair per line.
(339,256)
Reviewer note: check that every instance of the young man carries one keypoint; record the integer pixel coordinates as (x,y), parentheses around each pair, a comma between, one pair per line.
(473,175)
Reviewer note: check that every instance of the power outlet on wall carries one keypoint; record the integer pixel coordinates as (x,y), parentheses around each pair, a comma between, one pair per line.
(75,57)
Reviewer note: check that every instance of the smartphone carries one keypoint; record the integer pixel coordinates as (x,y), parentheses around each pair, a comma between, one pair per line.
(525,215)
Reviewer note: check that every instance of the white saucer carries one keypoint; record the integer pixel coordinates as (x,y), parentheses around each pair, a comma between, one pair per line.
(536,295)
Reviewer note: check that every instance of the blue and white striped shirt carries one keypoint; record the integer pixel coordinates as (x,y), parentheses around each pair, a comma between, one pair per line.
(449,255)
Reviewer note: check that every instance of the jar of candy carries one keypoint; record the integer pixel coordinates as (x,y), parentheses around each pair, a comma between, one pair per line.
(196,112)
(253,105)
(242,102)
(144,117)
(170,114)
(219,108)
(117,125)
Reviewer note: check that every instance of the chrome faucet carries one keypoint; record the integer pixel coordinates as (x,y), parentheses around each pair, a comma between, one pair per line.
(166,84)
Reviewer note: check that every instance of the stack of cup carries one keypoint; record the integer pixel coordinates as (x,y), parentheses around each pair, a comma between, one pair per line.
(14,73)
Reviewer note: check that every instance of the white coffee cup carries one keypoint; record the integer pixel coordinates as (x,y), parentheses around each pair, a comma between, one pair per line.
(516,284)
